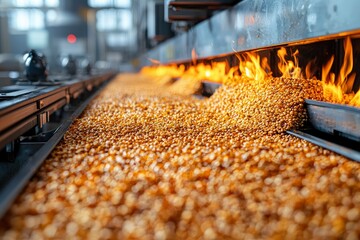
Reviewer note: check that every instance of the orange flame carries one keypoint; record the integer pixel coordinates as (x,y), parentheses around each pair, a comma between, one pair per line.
(251,66)
(216,72)
(355,101)
(171,71)
(289,68)
(339,90)
(345,79)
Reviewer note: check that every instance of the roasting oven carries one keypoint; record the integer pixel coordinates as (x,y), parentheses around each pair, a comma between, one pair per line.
(316,36)
(218,160)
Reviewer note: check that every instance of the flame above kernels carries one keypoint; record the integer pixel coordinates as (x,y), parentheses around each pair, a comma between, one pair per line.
(336,89)
(339,90)
(161,71)
(289,68)
(250,66)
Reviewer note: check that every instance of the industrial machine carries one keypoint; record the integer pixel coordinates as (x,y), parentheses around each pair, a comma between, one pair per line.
(316,29)
(36,109)
(35,113)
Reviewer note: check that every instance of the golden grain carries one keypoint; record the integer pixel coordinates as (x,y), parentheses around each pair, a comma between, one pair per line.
(143,162)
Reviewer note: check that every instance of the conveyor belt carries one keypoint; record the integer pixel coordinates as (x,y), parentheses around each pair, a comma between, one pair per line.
(29,152)
(141,161)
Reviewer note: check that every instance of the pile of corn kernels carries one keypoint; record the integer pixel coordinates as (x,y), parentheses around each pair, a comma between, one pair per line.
(144,163)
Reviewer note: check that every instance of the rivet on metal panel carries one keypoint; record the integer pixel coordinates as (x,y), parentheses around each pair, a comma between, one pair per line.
(41,104)
(89,87)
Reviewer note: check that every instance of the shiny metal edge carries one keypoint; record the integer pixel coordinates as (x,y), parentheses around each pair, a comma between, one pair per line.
(332,105)
(335,119)
(349,153)
(258,24)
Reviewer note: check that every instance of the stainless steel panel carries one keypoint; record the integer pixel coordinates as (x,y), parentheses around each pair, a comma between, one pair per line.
(335,119)
(255,24)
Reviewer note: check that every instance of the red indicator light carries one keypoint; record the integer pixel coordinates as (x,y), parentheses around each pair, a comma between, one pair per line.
(71,38)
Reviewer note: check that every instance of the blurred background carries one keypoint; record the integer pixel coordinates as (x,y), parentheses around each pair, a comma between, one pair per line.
(107,33)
